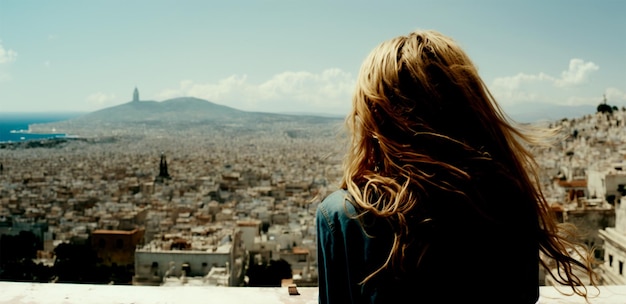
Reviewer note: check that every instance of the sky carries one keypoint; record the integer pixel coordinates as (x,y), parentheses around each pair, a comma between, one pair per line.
(294,55)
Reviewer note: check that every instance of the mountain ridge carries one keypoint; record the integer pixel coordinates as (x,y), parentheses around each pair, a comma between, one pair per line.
(536,112)
(176,114)
(167,110)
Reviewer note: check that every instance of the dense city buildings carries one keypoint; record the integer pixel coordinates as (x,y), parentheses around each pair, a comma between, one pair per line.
(156,207)
(234,205)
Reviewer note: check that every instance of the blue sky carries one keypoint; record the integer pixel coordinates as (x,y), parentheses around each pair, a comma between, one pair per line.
(296,56)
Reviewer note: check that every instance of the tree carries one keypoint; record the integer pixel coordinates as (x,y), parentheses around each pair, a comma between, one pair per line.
(621,189)
(605,108)
(264,275)
(77,263)
(18,247)
(16,258)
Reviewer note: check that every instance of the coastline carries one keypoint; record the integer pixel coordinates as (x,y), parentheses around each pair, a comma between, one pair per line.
(16,127)
(28,135)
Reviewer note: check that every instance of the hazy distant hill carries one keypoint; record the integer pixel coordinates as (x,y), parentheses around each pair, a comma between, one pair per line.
(179,110)
(176,114)
(533,112)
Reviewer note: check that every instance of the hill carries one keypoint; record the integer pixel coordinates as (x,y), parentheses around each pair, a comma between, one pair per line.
(178,109)
(535,112)
(179,115)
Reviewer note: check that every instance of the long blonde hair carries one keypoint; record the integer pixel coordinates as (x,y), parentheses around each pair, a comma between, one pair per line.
(420,114)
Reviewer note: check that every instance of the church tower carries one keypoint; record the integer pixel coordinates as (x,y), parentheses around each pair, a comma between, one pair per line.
(136,95)
(163,174)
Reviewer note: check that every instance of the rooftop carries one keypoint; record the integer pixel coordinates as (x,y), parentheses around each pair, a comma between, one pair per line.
(42,293)
(108,232)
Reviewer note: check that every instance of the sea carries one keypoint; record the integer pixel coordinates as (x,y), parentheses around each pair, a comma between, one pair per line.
(14,126)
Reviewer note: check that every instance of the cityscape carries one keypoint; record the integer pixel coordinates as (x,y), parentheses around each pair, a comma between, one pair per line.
(152,208)
(177,152)
(233,204)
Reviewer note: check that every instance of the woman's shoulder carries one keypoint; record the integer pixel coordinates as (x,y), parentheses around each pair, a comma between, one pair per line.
(336,196)
(337,205)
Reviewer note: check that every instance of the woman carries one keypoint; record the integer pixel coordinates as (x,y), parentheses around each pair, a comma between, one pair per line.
(439,200)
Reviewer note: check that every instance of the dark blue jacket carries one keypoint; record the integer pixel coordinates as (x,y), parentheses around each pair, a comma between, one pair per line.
(469,259)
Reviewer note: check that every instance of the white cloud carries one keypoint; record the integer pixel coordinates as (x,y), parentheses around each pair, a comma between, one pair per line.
(514,82)
(543,87)
(329,91)
(100,100)
(7,55)
(225,89)
(613,95)
(576,74)
(581,100)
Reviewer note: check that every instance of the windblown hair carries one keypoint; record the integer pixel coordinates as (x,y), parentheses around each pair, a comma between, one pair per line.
(420,114)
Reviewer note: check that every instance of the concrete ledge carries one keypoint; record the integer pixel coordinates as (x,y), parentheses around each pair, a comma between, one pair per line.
(44,293)
(29,293)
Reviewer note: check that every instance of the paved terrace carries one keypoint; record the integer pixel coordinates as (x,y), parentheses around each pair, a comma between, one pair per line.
(44,293)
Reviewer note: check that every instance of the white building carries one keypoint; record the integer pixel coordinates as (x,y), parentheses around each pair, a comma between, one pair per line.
(613,272)
(156,264)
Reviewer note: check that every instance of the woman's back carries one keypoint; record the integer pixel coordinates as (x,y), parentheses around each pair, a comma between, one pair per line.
(440,196)
(480,250)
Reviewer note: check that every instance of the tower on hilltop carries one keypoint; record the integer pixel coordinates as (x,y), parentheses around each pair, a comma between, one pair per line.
(136,95)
